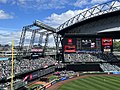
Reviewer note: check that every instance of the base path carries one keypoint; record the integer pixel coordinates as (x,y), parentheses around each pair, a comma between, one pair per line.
(57,85)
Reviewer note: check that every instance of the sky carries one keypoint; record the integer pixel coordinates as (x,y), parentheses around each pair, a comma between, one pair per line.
(14,14)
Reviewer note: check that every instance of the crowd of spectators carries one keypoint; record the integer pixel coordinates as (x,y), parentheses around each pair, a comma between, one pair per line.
(61,65)
(89,57)
(24,65)
(108,67)
(107,56)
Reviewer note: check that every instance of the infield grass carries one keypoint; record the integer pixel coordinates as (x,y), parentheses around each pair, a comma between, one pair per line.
(93,83)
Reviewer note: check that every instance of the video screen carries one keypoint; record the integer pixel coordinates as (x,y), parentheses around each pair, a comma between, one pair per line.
(88,44)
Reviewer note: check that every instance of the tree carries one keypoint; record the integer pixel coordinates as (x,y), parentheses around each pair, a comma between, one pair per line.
(116,46)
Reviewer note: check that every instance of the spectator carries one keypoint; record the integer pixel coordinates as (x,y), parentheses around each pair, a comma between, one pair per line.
(24,65)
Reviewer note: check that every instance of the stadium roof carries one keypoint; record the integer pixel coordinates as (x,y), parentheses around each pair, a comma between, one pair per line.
(63,31)
(98,12)
(116,29)
(108,34)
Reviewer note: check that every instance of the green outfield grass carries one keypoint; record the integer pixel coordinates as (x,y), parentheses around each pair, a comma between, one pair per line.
(93,83)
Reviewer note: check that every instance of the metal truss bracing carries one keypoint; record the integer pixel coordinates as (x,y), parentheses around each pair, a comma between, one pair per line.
(46,42)
(44,26)
(32,39)
(42,29)
(22,38)
(40,39)
(34,31)
(101,9)
(57,39)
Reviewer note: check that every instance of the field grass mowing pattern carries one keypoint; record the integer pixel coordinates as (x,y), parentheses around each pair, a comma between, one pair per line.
(93,83)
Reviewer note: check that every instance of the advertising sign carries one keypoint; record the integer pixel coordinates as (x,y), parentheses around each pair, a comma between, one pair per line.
(69,48)
(69,45)
(33,75)
(106,41)
(53,82)
(36,50)
(64,78)
(107,44)
(107,48)
(48,85)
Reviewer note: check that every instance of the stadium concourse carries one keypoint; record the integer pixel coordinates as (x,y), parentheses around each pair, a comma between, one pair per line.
(87,46)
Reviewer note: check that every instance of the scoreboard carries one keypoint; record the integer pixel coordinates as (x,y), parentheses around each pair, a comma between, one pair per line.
(73,45)
(76,45)
(88,44)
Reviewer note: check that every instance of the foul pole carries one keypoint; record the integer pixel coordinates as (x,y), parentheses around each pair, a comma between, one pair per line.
(12,73)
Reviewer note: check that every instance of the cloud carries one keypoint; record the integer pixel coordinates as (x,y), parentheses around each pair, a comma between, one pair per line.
(88,3)
(56,19)
(4,15)
(41,4)
(98,1)
(81,3)
(3,1)
(7,36)
(22,2)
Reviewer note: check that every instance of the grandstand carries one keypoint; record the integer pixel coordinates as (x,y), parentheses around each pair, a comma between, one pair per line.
(85,47)
(25,65)
(90,57)
(108,67)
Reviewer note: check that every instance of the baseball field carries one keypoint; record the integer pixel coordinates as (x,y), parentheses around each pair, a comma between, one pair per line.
(93,83)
